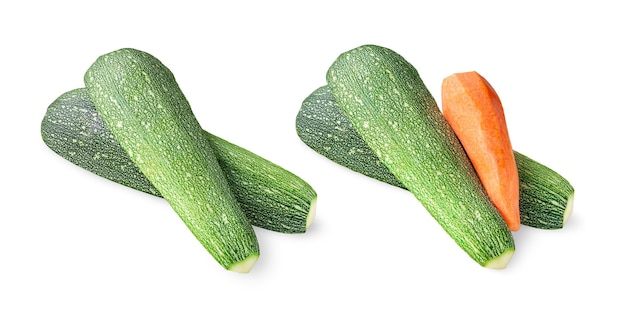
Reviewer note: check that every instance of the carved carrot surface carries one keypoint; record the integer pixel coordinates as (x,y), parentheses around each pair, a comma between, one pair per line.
(474,110)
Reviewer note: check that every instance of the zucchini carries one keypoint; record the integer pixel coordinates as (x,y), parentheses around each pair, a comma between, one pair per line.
(142,105)
(391,109)
(321,125)
(271,197)
(546,197)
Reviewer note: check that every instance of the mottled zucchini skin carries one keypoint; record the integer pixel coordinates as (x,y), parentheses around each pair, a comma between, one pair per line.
(321,125)
(546,197)
(73,129)
(385,100)
(142,105)
(272,197)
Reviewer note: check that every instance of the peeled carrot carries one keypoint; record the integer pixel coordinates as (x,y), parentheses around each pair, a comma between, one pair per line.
(473,109)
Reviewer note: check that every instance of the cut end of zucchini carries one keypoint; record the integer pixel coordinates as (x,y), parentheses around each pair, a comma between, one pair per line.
(311,216)
(245,265)
(501,261)
(569,208)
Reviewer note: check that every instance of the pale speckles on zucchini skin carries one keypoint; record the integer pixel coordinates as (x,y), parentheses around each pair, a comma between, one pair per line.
(133,87)
(346,147)
(74,130)
(376,85)
(272,197)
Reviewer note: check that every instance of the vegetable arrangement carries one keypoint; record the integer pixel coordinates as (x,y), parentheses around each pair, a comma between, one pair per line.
(376,117)
(133,125)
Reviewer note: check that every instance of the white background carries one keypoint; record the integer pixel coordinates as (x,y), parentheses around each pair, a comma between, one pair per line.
(73,242)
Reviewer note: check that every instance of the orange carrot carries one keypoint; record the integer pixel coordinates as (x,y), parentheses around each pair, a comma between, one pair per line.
(473,109)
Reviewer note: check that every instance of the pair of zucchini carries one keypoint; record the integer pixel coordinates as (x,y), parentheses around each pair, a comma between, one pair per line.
(377,117)
(133,125)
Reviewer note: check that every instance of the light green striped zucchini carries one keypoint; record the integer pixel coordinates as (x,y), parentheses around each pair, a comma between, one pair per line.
(272,197)
(386,102)
(142,105)
(546,197)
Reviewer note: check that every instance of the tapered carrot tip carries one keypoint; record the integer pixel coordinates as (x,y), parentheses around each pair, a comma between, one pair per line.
(474,111)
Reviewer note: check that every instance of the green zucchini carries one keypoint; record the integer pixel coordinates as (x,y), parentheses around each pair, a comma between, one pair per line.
(272,197)
(385,100)
(546,198)
(142,105)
